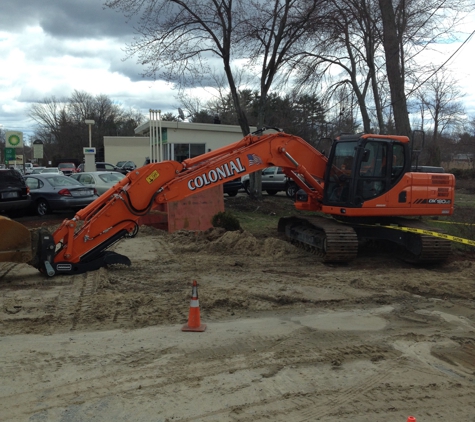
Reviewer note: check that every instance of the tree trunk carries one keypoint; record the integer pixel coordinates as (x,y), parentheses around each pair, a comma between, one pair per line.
(393,68)
(255,179)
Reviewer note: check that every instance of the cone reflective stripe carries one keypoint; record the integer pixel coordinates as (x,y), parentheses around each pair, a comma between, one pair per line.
(194,320)
(411,419)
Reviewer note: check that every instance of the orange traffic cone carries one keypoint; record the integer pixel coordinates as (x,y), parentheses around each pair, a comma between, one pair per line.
(194,321)
(411,419)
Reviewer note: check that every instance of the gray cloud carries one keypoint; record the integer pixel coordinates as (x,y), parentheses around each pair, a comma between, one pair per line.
(127,67)
(65,18)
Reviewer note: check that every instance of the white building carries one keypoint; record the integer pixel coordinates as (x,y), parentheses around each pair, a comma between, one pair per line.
(181,140)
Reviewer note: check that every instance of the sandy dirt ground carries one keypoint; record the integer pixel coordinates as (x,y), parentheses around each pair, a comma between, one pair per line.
(287,339)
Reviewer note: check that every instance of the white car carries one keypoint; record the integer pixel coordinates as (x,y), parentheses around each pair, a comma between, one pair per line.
(51,170)
(28,168)
(102,181)
(36,170)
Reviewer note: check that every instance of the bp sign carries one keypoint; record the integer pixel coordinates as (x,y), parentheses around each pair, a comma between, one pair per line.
(14,139)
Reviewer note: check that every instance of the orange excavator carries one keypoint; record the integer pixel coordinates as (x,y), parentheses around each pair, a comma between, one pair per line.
(365,188)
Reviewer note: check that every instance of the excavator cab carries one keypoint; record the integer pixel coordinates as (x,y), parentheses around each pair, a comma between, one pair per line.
(362,168)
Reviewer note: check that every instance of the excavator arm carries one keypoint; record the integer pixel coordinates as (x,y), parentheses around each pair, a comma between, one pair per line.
(80,244)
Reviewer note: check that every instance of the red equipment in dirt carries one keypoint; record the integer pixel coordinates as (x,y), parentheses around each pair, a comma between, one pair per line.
(366,179)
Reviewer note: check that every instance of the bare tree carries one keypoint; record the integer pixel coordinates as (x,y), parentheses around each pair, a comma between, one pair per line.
(440,98)
(344,52)
(394,60)
(375,45)
(61,126)
(50,117)
(179,39)
(472,124)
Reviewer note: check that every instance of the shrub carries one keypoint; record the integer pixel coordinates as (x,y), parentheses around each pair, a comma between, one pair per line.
(463,174)
(226,220)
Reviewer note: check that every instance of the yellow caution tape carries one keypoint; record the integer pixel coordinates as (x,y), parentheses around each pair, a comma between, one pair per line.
(429,233)
(434,234)
(453,222)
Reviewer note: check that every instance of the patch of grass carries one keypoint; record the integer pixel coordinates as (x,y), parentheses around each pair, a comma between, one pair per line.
(461,230)
(261,218)
(465,199)
(462,222)
(256,223)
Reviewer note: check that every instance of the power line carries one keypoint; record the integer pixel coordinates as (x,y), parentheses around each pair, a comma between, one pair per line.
(442,65)
(423,82)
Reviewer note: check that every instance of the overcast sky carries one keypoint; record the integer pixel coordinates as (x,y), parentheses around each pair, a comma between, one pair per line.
(53,47)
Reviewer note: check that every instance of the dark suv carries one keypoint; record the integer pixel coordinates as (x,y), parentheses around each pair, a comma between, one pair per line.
(125,166)
(14,194)
(232,187)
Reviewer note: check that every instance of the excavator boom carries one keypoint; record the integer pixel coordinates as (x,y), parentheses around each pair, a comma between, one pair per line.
(80,244)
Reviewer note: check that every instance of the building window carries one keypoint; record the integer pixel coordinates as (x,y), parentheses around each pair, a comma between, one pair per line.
(180,152)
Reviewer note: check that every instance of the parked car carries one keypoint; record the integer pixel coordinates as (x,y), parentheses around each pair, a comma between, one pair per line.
(125,166)
(36,170)
(14,193)
(100,166)
(28,168)
(18,168)
(232,187)
(52,170)
(67,168)
(102,181)
(51,192)
(273,180)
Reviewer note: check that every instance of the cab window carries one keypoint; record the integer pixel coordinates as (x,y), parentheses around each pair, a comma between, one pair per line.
(398,162)
(340,176)
(373,170)
(374,164)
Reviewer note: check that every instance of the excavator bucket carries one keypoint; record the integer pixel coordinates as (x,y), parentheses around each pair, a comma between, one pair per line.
(15,241)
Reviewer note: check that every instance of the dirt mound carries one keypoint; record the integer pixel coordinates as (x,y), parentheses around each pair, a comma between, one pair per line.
(145,230)
(221,242)
(236,243)
(278,248)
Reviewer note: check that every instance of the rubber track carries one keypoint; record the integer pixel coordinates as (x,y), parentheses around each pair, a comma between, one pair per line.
(433,249)
(332,241)
(336,242)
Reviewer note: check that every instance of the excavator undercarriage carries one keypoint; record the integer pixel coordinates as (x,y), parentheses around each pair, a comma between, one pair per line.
(338,241)
(330,240)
